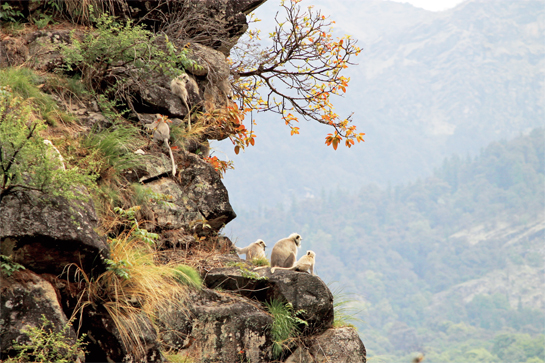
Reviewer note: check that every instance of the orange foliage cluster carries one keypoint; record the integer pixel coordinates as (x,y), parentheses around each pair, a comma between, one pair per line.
(220,165)
(298,74)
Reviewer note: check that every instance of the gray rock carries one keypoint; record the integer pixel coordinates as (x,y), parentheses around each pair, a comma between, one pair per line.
(200,201)
(342,345)
(106,344)
(46,234)
(218,328)
(205,193)
(214,66)
(25,296)
(303,290)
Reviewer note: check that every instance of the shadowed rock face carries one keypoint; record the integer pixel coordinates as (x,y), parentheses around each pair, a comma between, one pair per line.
(219,328)
(46,234)
(199,196)
(302,290)
(341,345)
(24,297)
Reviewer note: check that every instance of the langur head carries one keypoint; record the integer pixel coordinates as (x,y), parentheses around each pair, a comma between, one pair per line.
(296,238)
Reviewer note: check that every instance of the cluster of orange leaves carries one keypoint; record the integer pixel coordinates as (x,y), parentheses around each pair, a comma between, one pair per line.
(220,165)
(314,82)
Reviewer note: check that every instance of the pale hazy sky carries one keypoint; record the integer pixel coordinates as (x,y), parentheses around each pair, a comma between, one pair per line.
(433,5)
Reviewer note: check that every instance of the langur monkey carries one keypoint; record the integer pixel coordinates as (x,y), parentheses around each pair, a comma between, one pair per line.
(179,87)
(57,153)
(254,250)
(162,133)
(284,252)
(304,264)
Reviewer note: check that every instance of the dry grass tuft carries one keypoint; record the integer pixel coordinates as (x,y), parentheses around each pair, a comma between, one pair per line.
(135,289)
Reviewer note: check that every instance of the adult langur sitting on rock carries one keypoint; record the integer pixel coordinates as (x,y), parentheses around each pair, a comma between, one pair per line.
(254,250)
(284,252)
(305,264)
(162,133)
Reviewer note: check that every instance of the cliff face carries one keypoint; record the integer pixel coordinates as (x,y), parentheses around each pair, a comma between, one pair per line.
(119,262)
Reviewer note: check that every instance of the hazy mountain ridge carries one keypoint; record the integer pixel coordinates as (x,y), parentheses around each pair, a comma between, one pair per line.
(436,84)
(456,258)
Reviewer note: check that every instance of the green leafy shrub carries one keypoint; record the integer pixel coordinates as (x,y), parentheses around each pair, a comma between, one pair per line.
(116,44)
(46,345)
(260,261)
(8,13)
(23,82)
(285,326)
(8,266)
(26,162)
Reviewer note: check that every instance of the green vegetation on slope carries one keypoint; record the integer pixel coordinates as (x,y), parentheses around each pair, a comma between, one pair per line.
(417,254)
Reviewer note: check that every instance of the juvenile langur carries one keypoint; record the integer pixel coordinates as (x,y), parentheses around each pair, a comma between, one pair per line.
(179,87)
(284,252)
(305,264)
(57,153)
(162,133)
(254,250)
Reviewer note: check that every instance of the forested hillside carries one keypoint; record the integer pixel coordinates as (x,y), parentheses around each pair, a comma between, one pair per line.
(427,85)
(451,265)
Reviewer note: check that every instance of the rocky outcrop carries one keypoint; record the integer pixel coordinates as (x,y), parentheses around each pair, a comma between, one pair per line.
(219,328)
(46,234)
(304,291)
(200,201)
(341,345)
(25,298)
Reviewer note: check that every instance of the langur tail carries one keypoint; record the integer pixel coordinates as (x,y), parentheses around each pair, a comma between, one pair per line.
(171,158)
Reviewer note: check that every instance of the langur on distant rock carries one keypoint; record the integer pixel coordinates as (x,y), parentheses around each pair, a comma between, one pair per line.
(53,150)
(254,250)
(284,252)
(180,86)
(305,264)
(162,133)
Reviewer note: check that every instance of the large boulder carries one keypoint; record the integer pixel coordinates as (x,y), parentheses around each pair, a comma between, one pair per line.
(212,64)
(218,328)
(200,201)
(106,344)
(304,291)
(25,298)
(104,341)
(46,234)
(342,345)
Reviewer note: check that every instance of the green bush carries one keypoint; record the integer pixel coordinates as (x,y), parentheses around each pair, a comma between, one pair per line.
(285,326)
(8,267)
(46,345)
(115,44)
(26,162)
(23,82)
